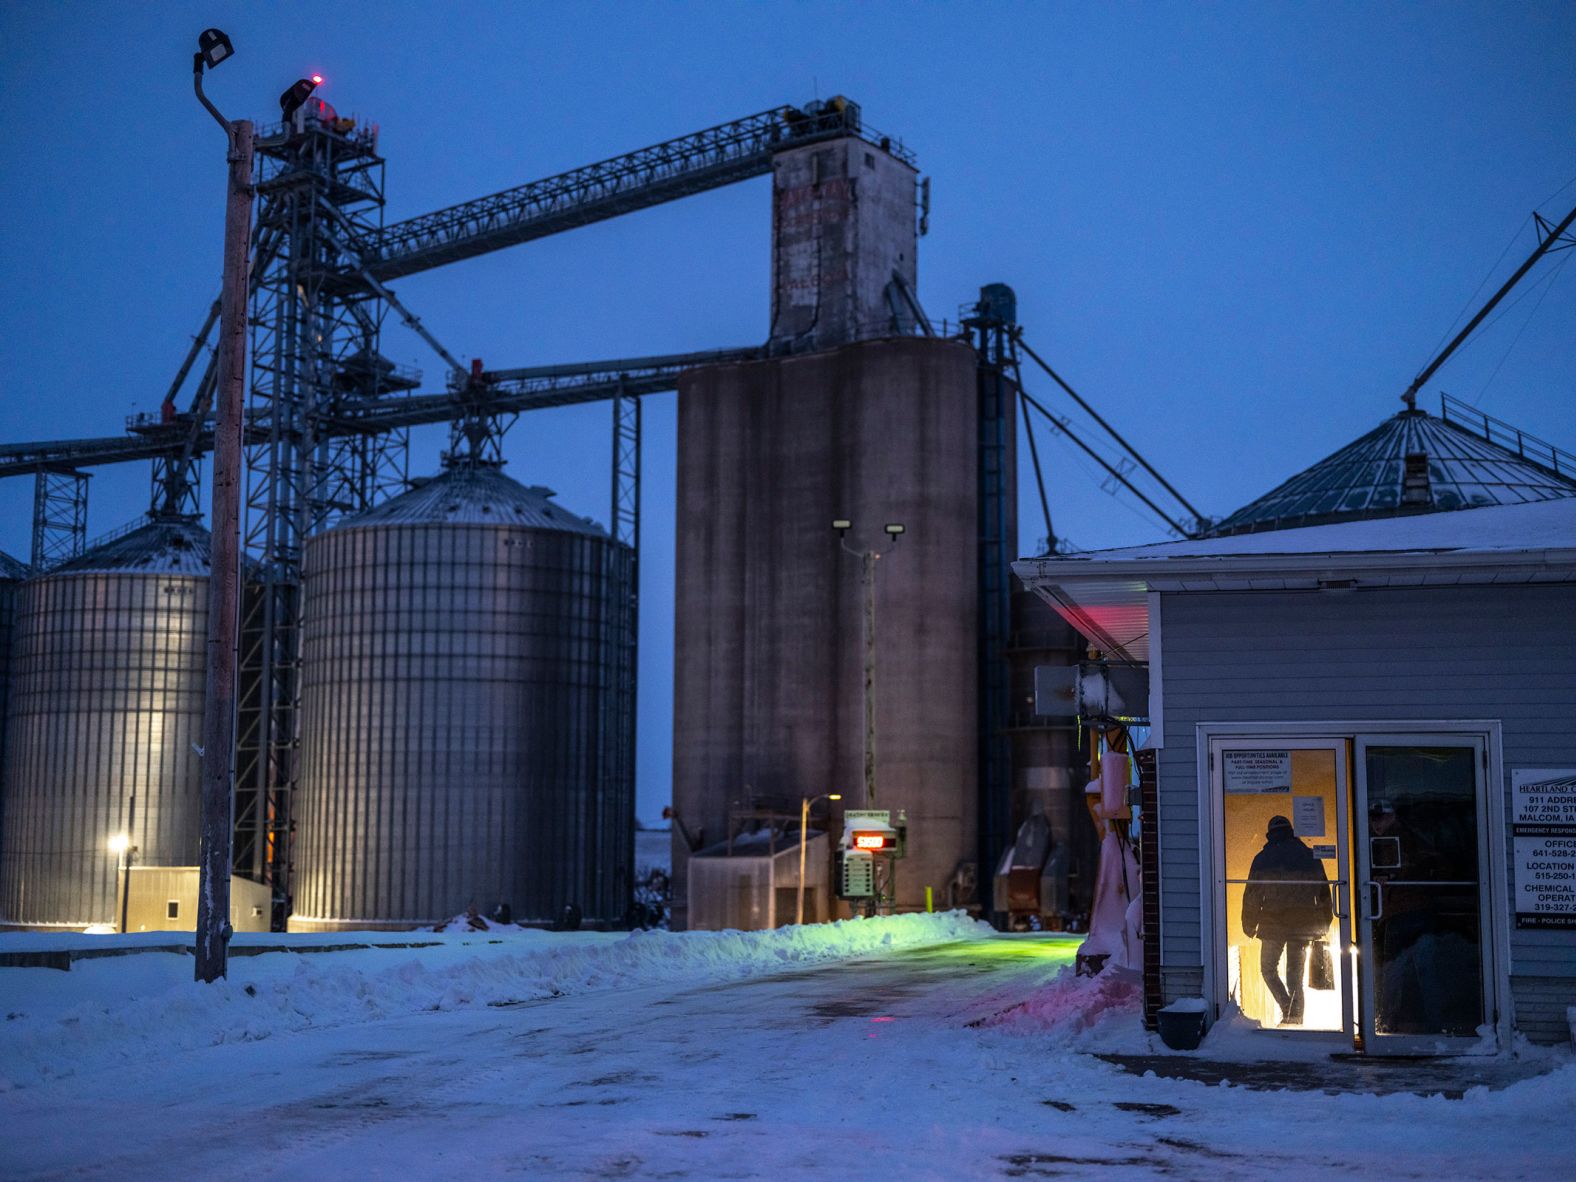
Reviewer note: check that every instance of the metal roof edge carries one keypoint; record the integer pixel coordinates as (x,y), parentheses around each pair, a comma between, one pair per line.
(1066,571)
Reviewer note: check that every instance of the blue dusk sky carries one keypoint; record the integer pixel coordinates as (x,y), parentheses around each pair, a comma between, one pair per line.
(1238,229)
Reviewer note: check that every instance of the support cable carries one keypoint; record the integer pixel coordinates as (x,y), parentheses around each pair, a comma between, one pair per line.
(1112,431)
(1410,397)
(1553,278)
(412,321)
(1487,275)
(1039,476)
(1062,426)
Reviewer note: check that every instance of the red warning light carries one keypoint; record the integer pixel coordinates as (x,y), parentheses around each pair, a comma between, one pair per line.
(317,79)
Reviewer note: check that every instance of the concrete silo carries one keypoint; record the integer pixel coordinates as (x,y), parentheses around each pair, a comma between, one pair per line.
(106,701)
(466,714)
(768,700)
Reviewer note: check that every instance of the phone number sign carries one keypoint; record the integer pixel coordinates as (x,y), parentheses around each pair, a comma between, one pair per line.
(1543,832)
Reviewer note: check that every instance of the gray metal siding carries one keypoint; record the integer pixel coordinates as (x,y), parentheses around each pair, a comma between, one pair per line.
(1506,653)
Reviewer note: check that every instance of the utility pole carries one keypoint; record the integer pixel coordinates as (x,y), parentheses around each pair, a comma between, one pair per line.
(869,558)
(218,788)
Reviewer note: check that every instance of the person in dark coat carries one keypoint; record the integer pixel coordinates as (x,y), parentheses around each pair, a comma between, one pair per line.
(1286,905)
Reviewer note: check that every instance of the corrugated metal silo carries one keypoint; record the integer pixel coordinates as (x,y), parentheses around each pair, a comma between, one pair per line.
(107,683)
(12,573)
(463,740)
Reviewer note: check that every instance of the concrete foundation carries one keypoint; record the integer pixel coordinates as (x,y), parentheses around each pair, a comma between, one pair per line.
(769,630)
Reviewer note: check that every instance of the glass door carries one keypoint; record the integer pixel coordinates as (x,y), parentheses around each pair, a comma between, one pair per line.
(1282,894)
(1422,917)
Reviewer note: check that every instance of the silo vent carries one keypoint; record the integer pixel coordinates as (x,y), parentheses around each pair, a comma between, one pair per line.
(1415,488)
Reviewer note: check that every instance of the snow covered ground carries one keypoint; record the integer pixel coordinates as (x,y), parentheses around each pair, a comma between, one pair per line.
(915,1047)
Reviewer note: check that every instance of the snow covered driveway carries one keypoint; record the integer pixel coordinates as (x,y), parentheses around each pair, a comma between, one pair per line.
(950,1060)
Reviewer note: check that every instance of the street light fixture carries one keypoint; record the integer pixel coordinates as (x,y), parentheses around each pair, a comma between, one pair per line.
(894,529)
(804,828)
(300,90)
(213,47)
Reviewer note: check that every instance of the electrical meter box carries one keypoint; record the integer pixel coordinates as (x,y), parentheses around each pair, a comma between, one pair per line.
(859,875)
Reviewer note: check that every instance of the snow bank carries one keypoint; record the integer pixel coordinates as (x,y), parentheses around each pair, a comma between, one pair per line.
(127,1009)
(1104,1011)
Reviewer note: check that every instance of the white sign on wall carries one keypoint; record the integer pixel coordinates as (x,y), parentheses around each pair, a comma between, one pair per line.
(1543,796)
(1543,827)
(1256,771)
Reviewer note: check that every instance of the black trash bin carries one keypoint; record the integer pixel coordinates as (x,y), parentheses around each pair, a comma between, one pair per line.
(1182,1024)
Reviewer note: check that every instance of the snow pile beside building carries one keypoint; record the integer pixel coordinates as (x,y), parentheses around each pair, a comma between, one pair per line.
(1107,1008)
(119,1010)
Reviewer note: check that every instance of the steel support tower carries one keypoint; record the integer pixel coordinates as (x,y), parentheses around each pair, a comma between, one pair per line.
(991,324)
(624,523)
(60,516)
(315,329)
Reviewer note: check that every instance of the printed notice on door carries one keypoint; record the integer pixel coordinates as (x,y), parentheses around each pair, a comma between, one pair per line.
(1543,812)
(1257,771)
(1307,815)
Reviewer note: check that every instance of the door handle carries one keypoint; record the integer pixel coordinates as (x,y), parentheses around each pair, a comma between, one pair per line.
(1338,892)
(1378,901)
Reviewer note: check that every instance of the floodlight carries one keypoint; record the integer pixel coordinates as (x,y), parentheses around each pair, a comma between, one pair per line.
(120,843)
(894,528)
(213,47)
(290,101)
(842,526)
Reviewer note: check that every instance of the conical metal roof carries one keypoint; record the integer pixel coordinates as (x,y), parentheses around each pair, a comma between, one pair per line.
(1369,478)
(475,495)
(10,569)
(164,546)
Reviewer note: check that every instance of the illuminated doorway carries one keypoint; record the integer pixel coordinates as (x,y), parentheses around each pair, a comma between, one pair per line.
(1352,887)
(1282,898)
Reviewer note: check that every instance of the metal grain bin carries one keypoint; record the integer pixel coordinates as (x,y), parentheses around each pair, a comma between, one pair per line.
(12,573)
(466,736)
(106,701)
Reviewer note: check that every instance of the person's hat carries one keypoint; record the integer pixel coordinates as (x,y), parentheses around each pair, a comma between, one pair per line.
(1278,825)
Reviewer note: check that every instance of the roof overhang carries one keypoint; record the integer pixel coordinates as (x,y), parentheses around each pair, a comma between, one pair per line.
(1106,598)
